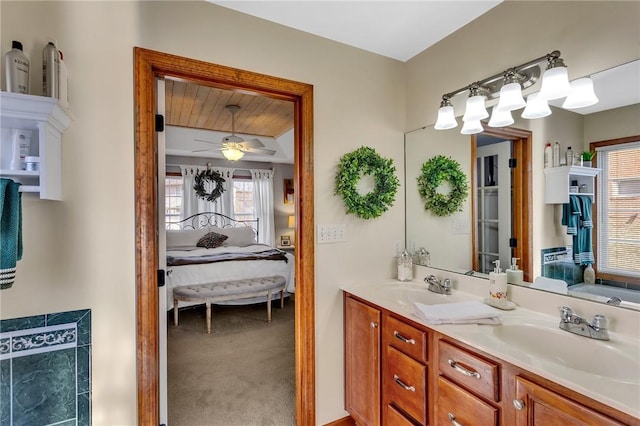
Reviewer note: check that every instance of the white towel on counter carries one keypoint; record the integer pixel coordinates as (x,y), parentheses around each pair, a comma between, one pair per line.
(471,312)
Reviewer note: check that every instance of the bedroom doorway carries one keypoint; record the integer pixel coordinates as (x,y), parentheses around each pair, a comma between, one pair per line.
(152,65)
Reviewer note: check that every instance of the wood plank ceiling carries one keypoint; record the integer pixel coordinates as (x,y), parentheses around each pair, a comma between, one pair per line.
(202,107)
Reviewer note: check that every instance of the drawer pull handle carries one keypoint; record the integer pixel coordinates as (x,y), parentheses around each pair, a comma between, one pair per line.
(519,404)
(463,370)
(453,420)
(401,383)
(374,324)
(402,338)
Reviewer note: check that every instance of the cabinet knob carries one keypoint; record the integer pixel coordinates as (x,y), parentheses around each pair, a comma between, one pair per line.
(519,404)
(374,324)
(453,420)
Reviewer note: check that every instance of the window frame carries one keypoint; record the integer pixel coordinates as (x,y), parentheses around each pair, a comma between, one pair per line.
(593,148)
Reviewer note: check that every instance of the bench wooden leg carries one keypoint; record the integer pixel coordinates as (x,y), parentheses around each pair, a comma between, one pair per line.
(208,305)
(268,305)
(175,312)
(282,299)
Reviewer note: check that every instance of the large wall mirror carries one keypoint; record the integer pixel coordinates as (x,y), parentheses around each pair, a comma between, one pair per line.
(505,214)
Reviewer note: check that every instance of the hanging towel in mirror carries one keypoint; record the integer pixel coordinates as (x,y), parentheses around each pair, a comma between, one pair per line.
(584,253)
(571,214)
(10,231)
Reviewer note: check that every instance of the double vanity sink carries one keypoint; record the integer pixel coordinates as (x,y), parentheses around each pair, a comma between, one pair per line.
(605,370)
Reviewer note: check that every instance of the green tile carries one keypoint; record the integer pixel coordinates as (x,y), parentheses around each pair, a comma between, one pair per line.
(83,319)
(84,409)
(22,323)
(5,392)
(84,369)
(44,388)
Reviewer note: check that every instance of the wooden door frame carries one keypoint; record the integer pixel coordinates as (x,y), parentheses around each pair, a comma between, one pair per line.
(149,65)
(521,198)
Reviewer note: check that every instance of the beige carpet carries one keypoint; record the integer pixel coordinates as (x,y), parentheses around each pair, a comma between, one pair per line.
(242,374)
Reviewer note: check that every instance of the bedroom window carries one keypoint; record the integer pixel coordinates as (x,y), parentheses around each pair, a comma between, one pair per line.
(618,225)
(243,199)
(172,198)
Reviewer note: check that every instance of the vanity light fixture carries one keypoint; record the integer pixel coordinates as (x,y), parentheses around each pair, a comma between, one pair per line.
(508,86)
(232,154)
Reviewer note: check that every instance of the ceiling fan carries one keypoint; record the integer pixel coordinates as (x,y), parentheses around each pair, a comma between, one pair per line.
(234,147)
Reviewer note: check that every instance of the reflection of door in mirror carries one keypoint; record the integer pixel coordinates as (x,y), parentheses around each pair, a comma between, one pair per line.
(512,238)
(493,206)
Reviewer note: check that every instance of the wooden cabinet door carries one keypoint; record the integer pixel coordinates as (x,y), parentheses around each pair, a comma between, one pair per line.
(362,362)
(538,406)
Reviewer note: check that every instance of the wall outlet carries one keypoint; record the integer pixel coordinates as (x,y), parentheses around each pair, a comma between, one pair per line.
(326,234)
(461,226)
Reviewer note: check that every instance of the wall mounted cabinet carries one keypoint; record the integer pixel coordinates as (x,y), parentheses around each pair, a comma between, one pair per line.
(47,121)
(558,182)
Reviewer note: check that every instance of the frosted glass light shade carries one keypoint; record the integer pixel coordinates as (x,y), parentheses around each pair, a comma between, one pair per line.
(581,94)
(536,107)
(446,118)
(500,118)
(555,83)
(511,97)
(475,109)
(472,127)
(232,154)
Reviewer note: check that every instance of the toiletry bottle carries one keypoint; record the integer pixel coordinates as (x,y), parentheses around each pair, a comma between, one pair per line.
(569,156)
(63,94)
(21,148)
(405,266)
(497,286)
(556,154)
(514,275)
(589,275)
(17,69)
(548,156)
(50,70)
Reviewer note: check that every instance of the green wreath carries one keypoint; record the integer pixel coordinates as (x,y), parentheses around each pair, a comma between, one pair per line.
(208,176)
(434,172)
(361,162)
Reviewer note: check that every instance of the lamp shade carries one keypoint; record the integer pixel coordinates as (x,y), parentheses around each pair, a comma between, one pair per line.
(500,118)
(510,97)
(536,107)
(291,223)
(581,94)
(472,127)
(555,83)
(475,109)
(446,118)
(232,154)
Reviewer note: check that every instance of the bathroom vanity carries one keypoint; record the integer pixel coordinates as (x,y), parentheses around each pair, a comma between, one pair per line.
(401,371)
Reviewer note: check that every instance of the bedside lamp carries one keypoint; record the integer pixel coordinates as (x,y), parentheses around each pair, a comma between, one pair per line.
(292,222)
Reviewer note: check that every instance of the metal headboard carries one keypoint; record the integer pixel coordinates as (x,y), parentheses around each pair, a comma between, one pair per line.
(206,219)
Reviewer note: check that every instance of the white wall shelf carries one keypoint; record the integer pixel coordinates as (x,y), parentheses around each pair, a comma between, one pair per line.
(47,120)
(558,180)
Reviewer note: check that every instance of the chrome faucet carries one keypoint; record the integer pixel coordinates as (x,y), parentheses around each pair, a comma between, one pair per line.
(437,286)
(575,324)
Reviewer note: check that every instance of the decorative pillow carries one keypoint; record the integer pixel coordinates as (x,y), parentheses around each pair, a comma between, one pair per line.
(211,240)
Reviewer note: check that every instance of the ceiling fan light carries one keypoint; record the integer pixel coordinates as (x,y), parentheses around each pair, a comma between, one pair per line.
(536,107)
(511,97)
(500,118)
(232,154)
(555,83)
(475,109)
(581,94)
(472,127)
(446,119)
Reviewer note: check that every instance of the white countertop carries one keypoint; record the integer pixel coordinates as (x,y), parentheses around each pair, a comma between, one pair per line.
(621,393)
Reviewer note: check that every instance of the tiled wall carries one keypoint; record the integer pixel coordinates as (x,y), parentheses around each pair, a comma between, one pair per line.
(557,262)
(45,369)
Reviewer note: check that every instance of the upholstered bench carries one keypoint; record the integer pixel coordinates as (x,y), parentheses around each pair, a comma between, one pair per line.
(229,290)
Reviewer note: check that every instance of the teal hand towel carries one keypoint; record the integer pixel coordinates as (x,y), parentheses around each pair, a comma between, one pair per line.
(571,214)
(10,231)
(584,243)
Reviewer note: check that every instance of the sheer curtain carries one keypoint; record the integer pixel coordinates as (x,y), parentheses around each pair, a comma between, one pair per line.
(192,204)
(263,204)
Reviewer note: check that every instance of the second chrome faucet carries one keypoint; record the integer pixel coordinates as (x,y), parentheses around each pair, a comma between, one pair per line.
(438,286)
(573,323)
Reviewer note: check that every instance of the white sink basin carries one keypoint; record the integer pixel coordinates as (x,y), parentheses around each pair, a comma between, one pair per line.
(408,293)
(615,360)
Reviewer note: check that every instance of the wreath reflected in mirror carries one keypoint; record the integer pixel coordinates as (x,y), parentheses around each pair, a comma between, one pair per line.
(208,176)
(435,172)
(352,167)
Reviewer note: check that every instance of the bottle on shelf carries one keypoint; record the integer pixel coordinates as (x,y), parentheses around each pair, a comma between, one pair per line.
(17,69)
(569,156)
(556,154)
(51,70)
(548,156)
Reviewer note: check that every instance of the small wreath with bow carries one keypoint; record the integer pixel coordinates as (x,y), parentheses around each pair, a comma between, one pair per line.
(208,176)
(435,171)
(361,162)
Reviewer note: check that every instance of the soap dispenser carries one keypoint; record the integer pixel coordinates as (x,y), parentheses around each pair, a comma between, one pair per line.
(514,275)
(497,286)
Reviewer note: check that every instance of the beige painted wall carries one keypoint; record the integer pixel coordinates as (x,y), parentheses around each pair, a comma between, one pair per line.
(79,253)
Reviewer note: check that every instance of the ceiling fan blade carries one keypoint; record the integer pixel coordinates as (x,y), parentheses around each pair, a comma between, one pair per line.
(253,143)
(262,151)
(206,141)
(203,150)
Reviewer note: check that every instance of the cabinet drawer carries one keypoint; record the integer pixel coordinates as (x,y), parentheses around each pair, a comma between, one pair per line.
(404,384)
(405,338)
(477,374)
(454,404)
(393,417)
